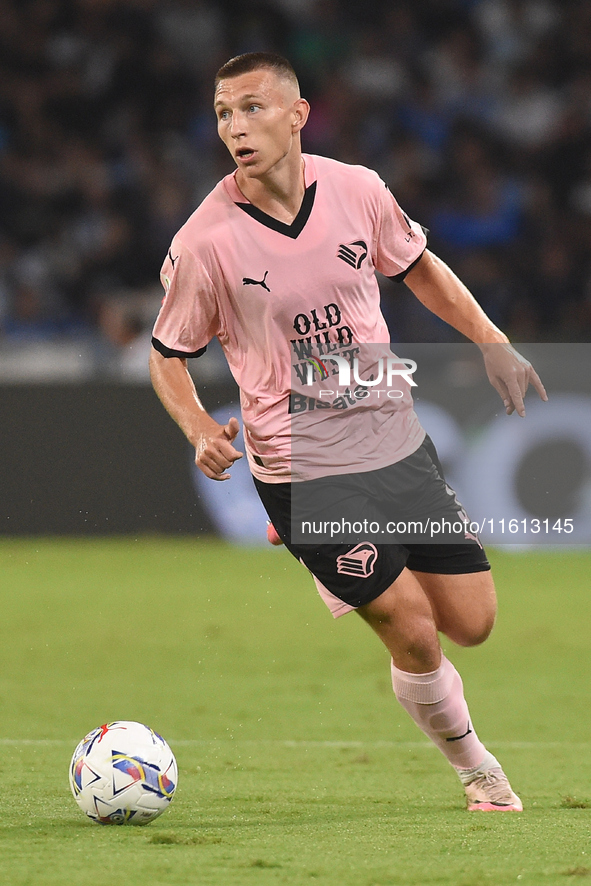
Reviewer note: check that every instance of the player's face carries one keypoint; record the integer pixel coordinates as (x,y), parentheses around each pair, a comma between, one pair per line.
(259,115)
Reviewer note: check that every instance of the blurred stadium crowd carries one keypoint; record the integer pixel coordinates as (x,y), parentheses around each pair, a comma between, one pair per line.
(477,114)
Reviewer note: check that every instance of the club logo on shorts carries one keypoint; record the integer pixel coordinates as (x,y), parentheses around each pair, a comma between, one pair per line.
(353,253)
(359,561)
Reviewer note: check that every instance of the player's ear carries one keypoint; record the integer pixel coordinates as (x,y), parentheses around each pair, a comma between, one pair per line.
(301,109)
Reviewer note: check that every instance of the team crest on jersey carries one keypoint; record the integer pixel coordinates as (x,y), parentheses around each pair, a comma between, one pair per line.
(359,561)
(353,253)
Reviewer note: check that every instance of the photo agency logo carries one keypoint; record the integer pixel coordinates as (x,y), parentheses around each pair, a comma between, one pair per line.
(385,371)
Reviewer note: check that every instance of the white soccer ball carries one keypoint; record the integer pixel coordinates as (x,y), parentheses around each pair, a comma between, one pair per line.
(123,773)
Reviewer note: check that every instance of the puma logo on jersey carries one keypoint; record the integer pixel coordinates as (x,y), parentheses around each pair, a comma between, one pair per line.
(172,260)
(246,281)
(353,253)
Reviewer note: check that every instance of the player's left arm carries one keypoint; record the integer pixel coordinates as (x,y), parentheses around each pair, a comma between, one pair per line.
(443,293)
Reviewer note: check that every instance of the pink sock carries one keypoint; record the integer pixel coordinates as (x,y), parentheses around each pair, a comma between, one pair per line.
(436,703)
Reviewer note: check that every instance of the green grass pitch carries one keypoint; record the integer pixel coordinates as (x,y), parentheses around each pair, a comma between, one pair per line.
(296,764)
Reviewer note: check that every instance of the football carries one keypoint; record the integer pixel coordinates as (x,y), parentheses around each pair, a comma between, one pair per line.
(123,773)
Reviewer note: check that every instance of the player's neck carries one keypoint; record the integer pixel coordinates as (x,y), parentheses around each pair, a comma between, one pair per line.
(280,192)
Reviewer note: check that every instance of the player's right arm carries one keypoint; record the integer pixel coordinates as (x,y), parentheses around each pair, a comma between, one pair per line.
(214,450)
(188,319)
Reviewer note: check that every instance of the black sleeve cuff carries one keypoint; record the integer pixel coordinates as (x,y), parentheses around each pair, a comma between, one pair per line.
(403,274)
(169,352)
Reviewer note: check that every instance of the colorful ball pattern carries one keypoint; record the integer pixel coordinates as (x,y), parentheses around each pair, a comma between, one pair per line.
(123,773)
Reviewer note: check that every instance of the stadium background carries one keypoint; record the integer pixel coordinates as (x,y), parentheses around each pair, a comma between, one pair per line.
(477,114)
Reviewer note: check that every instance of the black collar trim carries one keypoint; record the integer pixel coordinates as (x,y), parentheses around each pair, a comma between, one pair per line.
(296,227)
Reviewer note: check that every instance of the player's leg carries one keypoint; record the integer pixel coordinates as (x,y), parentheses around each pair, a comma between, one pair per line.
(391,599)
(464,605)
(456,577)
(430,689)
(425,682)
(403,619)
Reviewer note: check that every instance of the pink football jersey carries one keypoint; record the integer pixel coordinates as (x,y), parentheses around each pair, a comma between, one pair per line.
(277,296)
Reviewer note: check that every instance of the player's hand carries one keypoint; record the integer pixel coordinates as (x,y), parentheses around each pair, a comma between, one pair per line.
(214,452)
(510,374)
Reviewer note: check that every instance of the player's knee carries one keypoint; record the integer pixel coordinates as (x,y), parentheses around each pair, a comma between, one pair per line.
(416,640)
(412,639)
(473,633)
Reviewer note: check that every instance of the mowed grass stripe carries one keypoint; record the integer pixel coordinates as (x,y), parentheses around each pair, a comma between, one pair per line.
(288,743)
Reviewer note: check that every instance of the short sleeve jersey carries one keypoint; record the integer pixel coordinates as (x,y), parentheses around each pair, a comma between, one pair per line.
(270,292)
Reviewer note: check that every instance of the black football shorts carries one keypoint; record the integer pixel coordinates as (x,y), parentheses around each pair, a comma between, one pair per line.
(360,568)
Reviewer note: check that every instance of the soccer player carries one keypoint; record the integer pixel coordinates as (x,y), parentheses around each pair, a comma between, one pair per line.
(283,252)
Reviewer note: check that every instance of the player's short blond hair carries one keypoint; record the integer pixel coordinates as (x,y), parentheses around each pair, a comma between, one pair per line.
(255,61)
